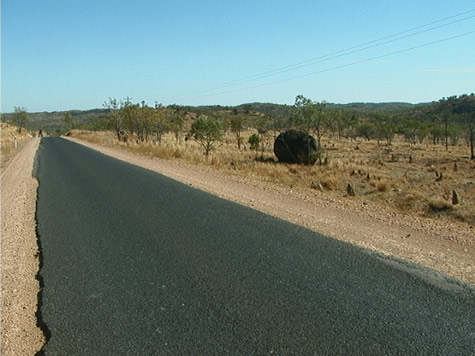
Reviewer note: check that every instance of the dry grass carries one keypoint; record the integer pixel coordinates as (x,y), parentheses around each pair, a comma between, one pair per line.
(11,142)
(415,179)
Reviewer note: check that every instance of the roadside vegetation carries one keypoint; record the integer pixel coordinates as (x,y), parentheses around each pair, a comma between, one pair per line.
(417,159)
(11,141)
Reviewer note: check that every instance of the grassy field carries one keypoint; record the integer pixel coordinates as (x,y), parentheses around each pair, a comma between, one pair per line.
(414,179)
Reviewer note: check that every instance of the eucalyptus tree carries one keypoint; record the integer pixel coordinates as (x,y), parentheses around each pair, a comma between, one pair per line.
(160,124)
(385,126)
(465,116)
(206,130)
(146,121)
(115,118)
(338,121)
(130,116)
(312,117)
(444,108)
(237,126)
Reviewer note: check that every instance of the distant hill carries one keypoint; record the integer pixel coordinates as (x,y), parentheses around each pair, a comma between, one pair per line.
(54,121)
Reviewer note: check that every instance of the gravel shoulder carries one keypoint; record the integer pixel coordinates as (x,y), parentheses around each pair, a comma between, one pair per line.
(19,256)
(444,246)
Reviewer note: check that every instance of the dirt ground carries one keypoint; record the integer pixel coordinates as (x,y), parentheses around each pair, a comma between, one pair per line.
(19,256)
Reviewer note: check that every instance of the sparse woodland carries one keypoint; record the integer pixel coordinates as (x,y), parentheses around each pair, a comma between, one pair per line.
(418,159)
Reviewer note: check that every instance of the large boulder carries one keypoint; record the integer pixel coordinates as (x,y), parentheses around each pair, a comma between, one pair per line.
(294,146)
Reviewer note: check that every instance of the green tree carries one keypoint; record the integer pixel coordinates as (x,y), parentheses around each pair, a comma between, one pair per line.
(436,131)
(146,122)
(255,142)
(206,130)
(176,125)
(465,117)
(237,126)
(69,121)
(311,117)
(20,117)
(468,119)
(385,127)
(338,121)
(444,108)
(306,113)
(366,130)
(115,117)
(160,124)
(130,117)
(414,131)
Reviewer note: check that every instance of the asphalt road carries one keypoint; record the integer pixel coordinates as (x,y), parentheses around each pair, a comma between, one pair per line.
(134,263)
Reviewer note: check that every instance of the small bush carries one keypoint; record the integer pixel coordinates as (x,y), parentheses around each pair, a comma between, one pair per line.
(330,183)
(410,201)
(439,205)
(382,186)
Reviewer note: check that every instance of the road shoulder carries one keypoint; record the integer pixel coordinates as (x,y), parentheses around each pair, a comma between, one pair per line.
(19,256)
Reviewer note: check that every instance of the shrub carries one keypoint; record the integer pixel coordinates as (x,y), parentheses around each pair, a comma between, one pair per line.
(439,205)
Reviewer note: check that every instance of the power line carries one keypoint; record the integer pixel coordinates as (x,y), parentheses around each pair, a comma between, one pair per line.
(339,66)
(326,58)
(323,58)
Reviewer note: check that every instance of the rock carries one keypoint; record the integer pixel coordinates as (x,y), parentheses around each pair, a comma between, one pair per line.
(317,186)
(455,197)
(350,190)
(294,146)
(456,169)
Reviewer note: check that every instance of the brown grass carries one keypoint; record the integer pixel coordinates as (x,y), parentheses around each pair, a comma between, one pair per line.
(439,205)
(8,136)
(414,179)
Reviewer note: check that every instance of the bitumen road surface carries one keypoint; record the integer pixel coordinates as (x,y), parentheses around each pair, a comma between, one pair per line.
(135,263)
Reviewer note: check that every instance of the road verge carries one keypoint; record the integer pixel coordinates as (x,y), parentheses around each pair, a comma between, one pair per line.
(20,334)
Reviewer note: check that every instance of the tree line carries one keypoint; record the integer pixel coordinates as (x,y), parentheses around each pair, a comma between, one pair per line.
(448,121)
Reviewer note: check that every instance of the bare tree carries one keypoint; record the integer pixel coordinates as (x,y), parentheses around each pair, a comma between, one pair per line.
(20,117)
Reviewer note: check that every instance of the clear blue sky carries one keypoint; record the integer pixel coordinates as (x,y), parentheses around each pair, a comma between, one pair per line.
(73,54)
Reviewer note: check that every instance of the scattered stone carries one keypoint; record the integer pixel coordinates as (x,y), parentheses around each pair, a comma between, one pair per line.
(455,197)
(350,190)
(317,186)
